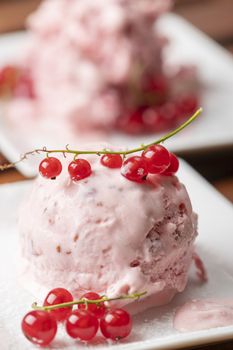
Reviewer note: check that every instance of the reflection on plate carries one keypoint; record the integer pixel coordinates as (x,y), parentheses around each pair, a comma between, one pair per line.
(187,45)
(153,328)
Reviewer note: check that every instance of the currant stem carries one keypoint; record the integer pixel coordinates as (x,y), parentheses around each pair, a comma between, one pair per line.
(86,301)
(105,151)
(170,134)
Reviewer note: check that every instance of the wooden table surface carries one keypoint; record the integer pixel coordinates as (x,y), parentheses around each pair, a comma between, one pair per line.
(214,17)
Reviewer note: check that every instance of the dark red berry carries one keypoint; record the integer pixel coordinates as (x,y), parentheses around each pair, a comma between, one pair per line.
(154,119)
(50,167)
(116,324)
(79,169)
(149,119)
(173,167)
(82,324)
(132,122)
(8,78)
(169,113)
(97,310)
(157,158)
(156,84)
(111,160)
(155,90)
(39,327)
(188,104)
(59,296)
(135,169)
(24,86)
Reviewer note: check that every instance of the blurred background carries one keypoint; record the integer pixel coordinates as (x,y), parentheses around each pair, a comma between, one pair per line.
(213,17)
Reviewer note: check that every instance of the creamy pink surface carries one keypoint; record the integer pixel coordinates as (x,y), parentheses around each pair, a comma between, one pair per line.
(197,315)
(200,268)
(107,234)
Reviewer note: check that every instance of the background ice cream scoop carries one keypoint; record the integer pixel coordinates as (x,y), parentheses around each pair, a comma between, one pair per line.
(99,65)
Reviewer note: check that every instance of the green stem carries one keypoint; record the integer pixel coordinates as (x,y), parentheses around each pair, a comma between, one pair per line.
(105,151)
(170,134)
(86,301)
(134,150)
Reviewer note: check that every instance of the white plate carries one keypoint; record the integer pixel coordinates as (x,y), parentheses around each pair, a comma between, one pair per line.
(153,328)
(188,45)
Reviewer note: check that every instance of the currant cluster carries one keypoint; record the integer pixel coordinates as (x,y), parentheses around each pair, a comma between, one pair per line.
(156,110)
(157,118)
(16,82)
(40,326)
(156,159)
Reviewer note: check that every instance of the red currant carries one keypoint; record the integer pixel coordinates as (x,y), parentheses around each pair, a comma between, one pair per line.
(188,104)
(157,158)
(59,296)
(135,169)
(97,310)
(39,327)
(82,324)
(169,113)
(79,169)
(8,77)
(154,119)
(50,167)
(132,122)
(173,167)
(156,88)
(24,86)
(111,160)
(116,324)
(156,84)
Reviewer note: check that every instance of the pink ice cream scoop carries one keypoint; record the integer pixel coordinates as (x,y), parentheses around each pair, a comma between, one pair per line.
(98,65)
(108,234)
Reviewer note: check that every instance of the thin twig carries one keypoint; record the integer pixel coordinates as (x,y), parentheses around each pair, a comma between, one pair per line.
(86,301)
(103,151)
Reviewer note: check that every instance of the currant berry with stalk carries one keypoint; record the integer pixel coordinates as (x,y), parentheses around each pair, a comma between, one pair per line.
(39,327)
(135,169)
(116,324)
(79,169)
(98,310)
(59,296)
(112,161)
(50,167)
(82,324)
(157,158)
(173,167)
